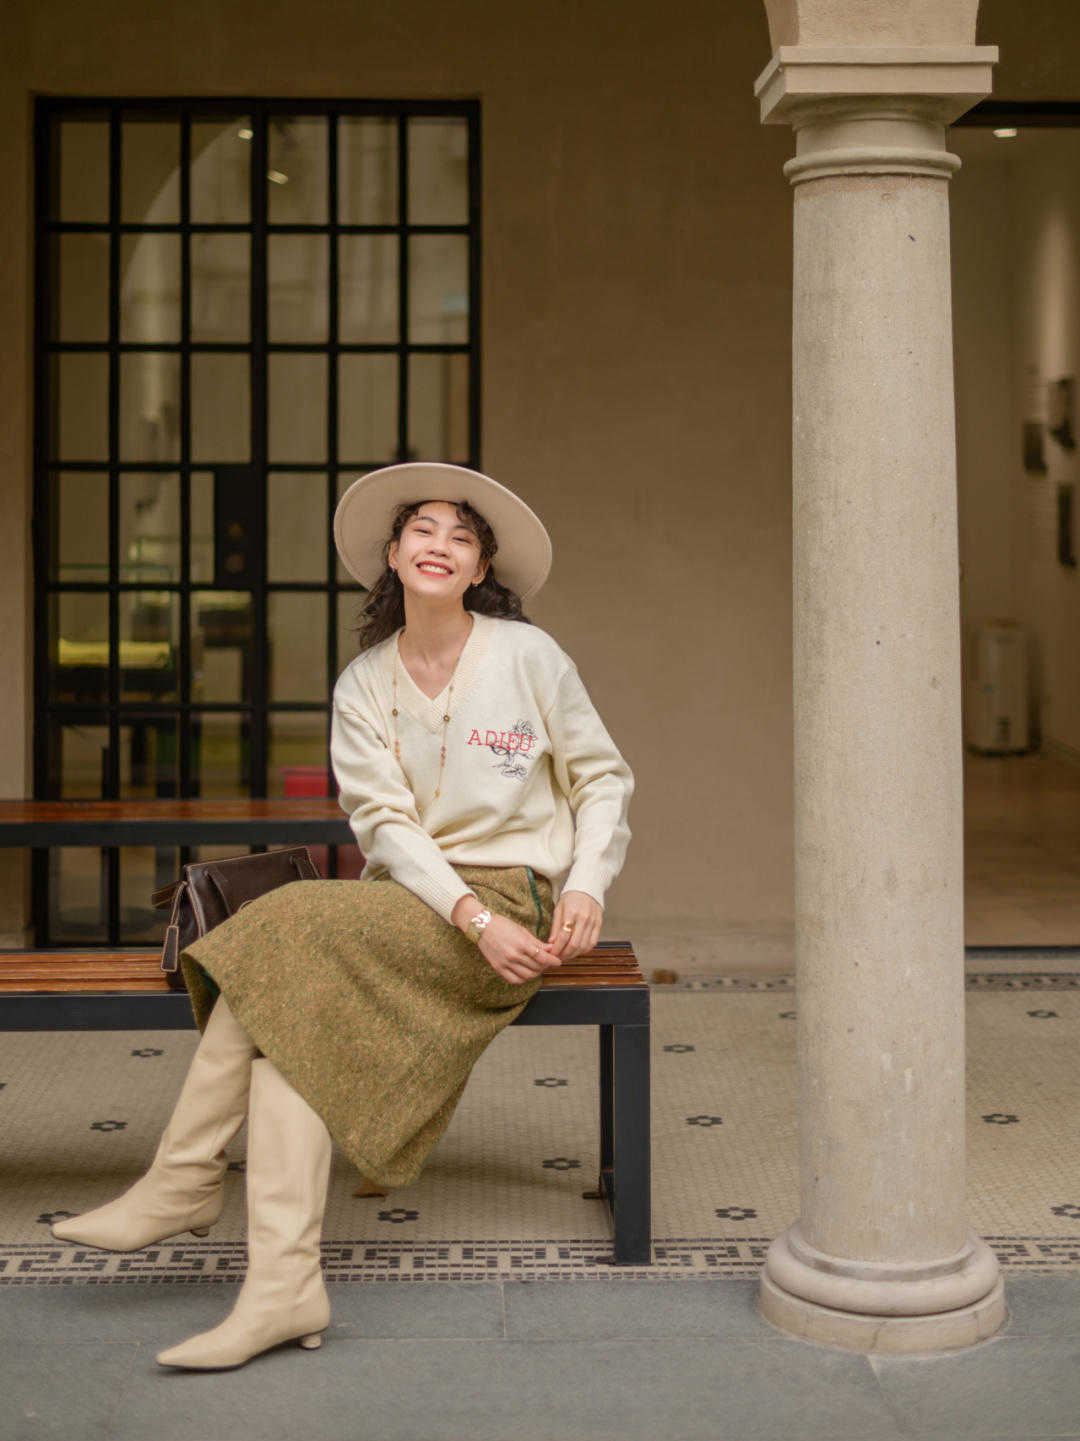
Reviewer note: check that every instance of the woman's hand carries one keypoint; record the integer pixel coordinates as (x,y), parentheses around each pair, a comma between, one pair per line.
(512,951)
(575,926)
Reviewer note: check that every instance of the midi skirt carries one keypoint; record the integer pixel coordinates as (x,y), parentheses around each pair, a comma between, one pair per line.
(370,1005)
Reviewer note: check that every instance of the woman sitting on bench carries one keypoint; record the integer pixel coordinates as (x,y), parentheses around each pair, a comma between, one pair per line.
(481,785)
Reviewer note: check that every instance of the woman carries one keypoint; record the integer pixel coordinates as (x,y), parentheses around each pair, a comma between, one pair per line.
(480,785)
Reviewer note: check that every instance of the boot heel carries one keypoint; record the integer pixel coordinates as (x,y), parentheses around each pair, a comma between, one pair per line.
(200,1230)
(311,1343)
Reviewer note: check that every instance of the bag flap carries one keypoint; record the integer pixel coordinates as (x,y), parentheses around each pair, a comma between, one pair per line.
(242,878)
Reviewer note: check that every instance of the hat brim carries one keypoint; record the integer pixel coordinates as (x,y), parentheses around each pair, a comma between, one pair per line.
(365,514)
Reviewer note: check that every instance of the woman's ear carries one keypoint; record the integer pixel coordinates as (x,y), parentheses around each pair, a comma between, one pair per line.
(391,556)
(481,571)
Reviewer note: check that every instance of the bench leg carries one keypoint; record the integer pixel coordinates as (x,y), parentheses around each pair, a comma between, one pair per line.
(632,1198)
(607,1102)
(605,1185)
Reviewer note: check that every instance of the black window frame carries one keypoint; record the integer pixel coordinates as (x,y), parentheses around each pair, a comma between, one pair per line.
(258,709)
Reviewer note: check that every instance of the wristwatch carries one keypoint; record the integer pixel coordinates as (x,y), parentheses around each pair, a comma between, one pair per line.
(476,925)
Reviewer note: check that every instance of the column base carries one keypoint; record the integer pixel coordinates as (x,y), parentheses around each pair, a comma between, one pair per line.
(901,1310)
(888,1335)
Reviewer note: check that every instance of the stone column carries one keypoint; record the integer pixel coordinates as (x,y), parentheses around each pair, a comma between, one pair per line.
(881,1258)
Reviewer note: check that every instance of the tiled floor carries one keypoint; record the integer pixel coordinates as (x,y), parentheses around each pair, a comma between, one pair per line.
(548,1361)
(1022,850)
(501,1197)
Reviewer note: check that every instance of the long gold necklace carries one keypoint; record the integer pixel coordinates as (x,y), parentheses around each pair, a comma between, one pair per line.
(446,715)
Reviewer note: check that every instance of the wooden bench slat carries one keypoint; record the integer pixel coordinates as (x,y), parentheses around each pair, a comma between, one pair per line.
(112,971)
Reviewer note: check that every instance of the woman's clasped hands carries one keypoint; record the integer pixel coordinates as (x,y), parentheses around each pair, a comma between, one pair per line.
(517,955)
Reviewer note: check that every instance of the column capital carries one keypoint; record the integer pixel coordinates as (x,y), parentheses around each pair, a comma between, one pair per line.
(938,80)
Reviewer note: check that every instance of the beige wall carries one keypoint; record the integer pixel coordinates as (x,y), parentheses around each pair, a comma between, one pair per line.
(987,439)
(1016,239)
(1039,42)
(636,364)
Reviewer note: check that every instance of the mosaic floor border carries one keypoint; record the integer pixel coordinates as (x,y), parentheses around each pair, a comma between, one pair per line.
(684,1258)
(785,984)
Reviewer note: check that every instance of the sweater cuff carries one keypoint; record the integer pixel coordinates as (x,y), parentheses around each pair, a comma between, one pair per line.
(588,876)
(441,898)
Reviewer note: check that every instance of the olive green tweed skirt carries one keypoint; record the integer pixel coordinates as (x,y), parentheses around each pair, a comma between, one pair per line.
(370,1005)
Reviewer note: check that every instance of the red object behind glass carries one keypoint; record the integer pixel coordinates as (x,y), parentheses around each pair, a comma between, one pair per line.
(315,781)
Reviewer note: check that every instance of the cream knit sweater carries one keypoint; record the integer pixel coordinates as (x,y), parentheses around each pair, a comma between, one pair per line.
(531,778)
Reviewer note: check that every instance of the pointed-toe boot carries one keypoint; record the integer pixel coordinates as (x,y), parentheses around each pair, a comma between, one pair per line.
(283,1297)
(184,1189)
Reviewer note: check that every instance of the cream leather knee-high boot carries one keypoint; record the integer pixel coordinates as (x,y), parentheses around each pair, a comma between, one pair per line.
(184,1189)
(283,1297)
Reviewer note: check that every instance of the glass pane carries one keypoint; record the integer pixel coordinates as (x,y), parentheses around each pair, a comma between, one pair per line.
(367,171)
(144,870)
(149,526)
(438,171)
(220,287)
(202,525)
(221,756)
(149,646)
(344,480)
(150,288)
(81,760)
(78,897)
(298,301)
(296,526)
(296,625)
(81,526)
(221,172)
(80,392)
(439,289)
(150,172)
(79,648)
(81,157)
(367,407)
(297,407)
(350,611)
(296,171)
(439,408)
(150,406)
(368,289)
(149,762)
(216,853)
(222,646)
(220,408)
(297,761)
(80,279)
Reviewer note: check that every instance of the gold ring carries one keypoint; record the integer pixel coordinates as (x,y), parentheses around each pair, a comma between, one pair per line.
(569,926)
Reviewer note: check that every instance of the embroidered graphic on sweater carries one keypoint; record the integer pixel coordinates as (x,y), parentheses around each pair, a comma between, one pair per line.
(510,748)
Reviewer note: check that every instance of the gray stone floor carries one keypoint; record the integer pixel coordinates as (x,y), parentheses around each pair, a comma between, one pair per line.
(664,1360)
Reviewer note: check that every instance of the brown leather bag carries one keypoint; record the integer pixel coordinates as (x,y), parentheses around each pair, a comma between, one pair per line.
(209,892)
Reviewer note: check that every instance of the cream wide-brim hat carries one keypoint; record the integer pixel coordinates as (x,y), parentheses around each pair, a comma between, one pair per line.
(365,514)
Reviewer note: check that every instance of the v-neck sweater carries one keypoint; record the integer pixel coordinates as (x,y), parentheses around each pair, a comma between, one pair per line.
(531,776)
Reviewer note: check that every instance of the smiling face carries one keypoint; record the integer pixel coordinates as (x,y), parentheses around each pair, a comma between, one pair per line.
(437,556)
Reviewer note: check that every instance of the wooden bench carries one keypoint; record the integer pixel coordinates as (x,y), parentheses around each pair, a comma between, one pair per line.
(102,990)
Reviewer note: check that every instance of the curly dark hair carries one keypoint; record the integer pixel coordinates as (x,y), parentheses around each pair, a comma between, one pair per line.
(384,607)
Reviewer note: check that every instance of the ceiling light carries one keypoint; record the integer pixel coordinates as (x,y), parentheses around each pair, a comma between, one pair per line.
(245,133)
(278,177)
(1006,132)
